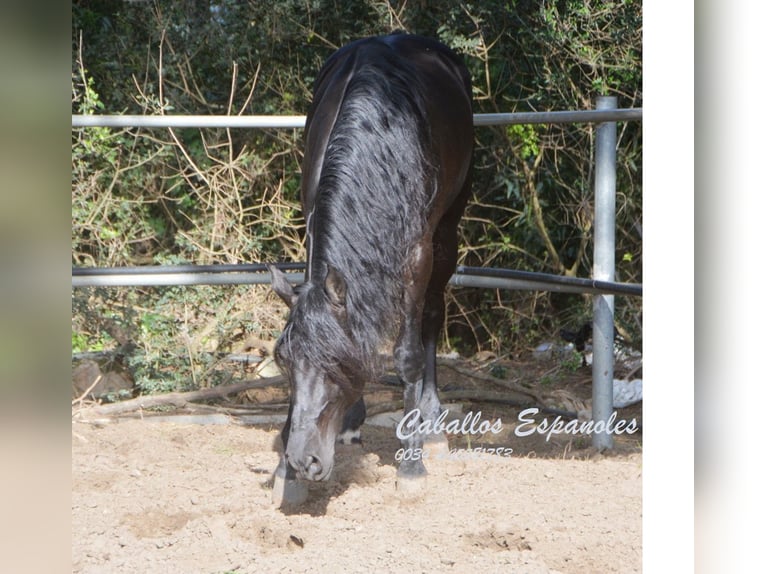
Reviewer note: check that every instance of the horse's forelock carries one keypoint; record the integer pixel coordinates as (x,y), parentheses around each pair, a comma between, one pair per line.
(314,334)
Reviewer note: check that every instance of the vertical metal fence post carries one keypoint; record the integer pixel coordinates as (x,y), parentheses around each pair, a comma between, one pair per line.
(603,270)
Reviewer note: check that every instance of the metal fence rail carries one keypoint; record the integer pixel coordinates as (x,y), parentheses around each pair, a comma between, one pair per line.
(602,284)
(138,121)
(257,274)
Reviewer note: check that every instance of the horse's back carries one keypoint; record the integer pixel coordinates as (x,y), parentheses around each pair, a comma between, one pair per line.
(429,70)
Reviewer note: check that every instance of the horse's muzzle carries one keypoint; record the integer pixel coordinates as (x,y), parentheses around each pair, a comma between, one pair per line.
(312,460)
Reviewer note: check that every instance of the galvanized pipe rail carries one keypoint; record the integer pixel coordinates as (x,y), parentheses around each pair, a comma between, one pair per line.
(257,274)
(602,285)
(297,122)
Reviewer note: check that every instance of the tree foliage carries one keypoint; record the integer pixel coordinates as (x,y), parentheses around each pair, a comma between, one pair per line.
(204,196)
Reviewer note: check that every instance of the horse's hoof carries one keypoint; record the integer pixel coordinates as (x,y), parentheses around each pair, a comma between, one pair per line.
(411,488)
(288,492)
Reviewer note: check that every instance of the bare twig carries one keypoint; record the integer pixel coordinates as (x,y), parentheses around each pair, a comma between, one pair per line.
(81,398)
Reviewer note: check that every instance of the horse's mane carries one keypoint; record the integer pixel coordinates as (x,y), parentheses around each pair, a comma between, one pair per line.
(373,194)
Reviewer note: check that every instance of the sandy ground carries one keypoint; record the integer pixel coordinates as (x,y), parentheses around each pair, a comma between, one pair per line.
(167,497)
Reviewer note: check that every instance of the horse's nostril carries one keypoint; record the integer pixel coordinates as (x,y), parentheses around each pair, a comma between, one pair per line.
(309,466)
(313,467)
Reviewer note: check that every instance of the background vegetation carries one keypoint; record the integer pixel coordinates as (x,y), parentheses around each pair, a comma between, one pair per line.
(142,197)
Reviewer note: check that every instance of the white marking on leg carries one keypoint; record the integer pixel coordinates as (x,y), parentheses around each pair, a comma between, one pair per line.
(350,436)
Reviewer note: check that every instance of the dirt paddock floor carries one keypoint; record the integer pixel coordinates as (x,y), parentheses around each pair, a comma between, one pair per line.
(175,497)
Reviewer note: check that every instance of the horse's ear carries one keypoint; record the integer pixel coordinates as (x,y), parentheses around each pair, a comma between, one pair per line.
(335,287)
(282,287)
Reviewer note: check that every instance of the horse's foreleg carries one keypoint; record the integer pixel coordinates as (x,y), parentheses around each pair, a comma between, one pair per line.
(429,404)
(409,357)
(444,254)
(444,261)
(350,430)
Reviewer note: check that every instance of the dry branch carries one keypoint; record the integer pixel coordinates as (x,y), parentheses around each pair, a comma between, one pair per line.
(511,385)
(182,399)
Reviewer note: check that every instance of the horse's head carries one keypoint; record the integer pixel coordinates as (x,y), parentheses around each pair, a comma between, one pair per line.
(318,358)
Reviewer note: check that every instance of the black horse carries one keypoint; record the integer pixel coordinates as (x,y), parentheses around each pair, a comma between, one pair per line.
(386,176)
